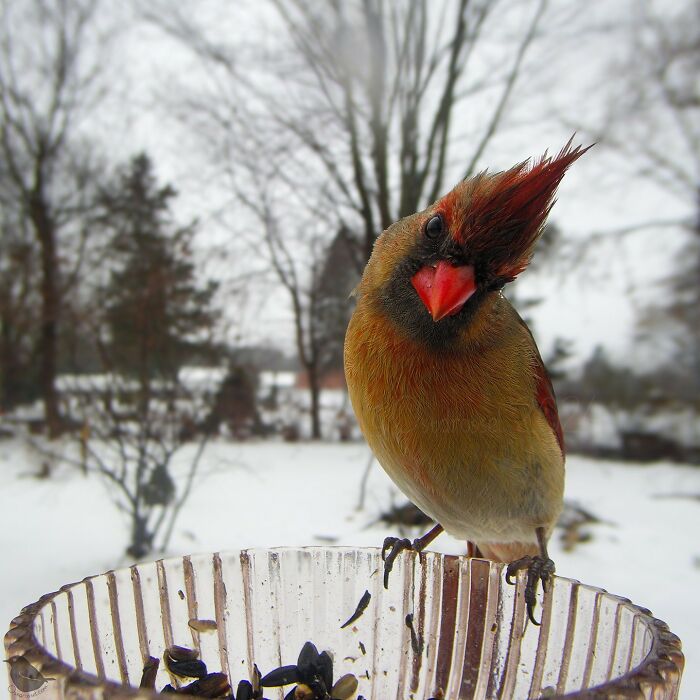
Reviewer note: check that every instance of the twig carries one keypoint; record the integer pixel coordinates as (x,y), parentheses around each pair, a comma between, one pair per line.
(188,487)
(363,483)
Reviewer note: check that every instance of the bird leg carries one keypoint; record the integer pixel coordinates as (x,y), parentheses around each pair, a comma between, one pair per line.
(540,567)
(398,545)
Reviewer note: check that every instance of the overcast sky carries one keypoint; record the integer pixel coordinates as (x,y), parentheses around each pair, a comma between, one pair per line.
(592,300)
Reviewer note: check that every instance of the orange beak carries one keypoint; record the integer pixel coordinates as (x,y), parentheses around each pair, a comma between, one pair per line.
(444,288)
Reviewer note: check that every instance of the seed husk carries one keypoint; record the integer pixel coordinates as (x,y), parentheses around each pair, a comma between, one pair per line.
(187,669)
(361,607)
(177,653)
(308,660)
(325,666)
(303,692)
(244,691)
(416,641)
(213,685)
(183,662)
(284,675)
(202,625)
(344,687)
(150,670)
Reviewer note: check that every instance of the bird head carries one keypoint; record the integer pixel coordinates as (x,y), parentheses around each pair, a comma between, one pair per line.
(430,271)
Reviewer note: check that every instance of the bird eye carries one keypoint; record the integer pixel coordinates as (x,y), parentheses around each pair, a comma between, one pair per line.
(434,227)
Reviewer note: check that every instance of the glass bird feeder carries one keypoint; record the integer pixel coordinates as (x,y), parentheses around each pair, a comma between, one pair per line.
(447,627)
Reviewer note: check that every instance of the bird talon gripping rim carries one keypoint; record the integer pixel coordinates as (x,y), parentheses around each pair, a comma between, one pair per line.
(445,378)
(397,546)
(391,544)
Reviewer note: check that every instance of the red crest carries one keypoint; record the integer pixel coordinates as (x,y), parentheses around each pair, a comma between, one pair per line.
(499,217)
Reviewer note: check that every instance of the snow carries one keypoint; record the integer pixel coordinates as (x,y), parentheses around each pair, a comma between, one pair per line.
(54,531)
(198,379)
(597,425)
(270,379)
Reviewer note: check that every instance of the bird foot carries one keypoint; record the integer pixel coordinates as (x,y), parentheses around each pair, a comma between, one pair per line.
(394,546)
(399,544)
(541,568)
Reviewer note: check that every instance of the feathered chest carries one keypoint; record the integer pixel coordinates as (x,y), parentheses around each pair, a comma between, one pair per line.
(457,431)
(400,386)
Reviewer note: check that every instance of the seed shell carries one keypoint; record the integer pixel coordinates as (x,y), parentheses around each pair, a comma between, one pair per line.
(284,675)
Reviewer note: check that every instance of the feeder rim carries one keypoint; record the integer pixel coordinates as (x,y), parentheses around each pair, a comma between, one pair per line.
(663,662)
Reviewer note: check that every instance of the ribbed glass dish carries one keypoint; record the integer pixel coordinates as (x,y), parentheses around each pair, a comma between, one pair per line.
(469,636)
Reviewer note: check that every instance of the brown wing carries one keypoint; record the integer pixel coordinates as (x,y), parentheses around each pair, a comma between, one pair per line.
(547,401)
(545,392)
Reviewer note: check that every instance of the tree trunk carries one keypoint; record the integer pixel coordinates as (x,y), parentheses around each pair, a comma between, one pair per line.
(315,394)
(48,337)
(8,376)
(141,539)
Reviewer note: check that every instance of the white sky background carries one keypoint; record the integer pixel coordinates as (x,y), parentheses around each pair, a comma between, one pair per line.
(593,302)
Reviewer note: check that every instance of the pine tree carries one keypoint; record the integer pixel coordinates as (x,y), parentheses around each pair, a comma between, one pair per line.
(157,314)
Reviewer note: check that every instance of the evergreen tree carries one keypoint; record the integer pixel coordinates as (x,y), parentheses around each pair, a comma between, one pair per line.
(157,313)
(155,316)
(19,301)
(338,277)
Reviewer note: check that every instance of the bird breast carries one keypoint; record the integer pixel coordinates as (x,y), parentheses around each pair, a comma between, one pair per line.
(459,432)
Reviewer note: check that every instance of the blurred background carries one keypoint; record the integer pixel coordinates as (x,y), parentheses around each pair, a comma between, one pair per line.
(190,191)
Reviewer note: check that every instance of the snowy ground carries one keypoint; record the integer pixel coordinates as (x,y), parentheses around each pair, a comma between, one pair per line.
(262,494)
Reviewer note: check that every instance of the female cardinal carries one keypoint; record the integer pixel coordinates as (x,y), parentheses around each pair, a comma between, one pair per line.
(445,378)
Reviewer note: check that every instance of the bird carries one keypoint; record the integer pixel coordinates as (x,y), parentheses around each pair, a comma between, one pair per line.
(445,378)
(25,677)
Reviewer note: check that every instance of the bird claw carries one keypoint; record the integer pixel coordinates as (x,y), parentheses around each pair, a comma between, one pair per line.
(541,568)
(396,545)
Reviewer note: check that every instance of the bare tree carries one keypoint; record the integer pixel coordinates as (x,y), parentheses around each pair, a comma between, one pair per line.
(372,99)
(653,121)
(304,292)
(297,255)
(151,316)
(651,115)
(18,305)
(49,69)
(134,436)
(360,113)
